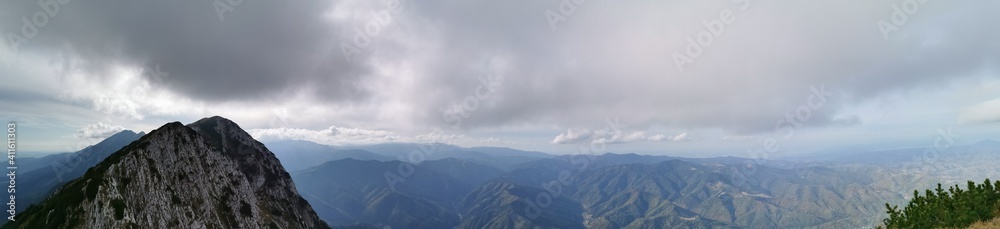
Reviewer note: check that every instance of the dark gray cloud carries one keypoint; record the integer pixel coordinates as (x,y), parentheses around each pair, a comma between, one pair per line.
(607,59)
(261,49)
(612,60)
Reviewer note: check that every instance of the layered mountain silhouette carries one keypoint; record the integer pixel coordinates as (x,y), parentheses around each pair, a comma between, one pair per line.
(297,155)
(209,174)
(501,158)
(556,193)
(504,204)
(350,191)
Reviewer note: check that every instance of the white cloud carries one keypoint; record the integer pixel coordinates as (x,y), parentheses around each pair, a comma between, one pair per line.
(123,90)
(335,135)
(984,112)
(99,130)
(578,136)
(681,137)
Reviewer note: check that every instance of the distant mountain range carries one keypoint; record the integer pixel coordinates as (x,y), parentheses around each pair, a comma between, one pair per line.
(667,194)
(629,191)
(501,158)
(211,174)
(297,155)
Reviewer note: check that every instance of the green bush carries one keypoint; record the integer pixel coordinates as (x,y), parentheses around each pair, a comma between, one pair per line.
(953,209)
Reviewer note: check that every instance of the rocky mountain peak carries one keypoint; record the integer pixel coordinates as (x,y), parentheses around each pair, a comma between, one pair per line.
(125,133)
(226,135)
(209,174)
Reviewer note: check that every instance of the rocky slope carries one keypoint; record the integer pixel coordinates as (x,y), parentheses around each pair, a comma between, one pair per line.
(55,170)
(210,174)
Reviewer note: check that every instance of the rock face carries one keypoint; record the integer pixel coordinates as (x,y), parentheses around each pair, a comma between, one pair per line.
(209,174)
(36,184)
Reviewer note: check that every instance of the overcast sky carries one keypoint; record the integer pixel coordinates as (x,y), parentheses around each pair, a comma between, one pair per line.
(688,78)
